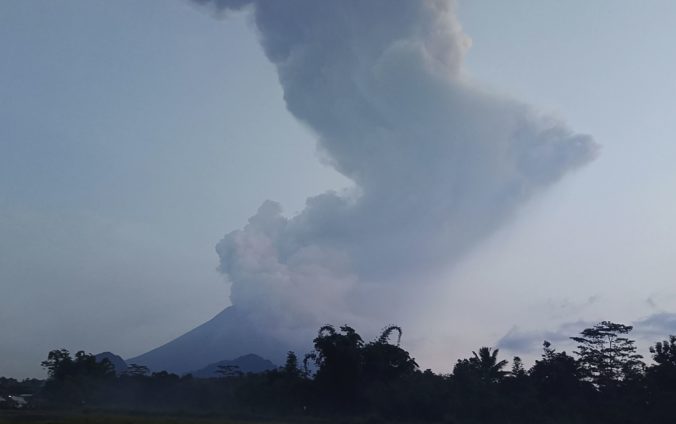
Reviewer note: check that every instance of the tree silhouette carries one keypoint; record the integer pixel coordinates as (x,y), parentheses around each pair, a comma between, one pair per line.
(607,357)
(488,365)
(291,365)
(557,374)
(664,352)
(483,366)
(135,370)
(338,356)
(518,371)
(662,376)
(75,380)
(384,361)
(387,332)
(378,381)
(61,366)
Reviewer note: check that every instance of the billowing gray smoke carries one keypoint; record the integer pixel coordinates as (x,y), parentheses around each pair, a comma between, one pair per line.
(437,162)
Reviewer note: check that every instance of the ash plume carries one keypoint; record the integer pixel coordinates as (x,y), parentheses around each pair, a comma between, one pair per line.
(437,161)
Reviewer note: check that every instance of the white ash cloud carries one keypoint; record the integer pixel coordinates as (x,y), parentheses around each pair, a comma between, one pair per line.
(437,162)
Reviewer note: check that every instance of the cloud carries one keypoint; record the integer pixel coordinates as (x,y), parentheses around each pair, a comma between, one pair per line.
(518,340)
(646,331)
(657,325)
(438,162)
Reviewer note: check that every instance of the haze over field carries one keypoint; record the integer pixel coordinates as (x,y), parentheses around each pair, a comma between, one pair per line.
(136,135)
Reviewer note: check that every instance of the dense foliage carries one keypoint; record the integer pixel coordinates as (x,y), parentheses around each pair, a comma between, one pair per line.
(348,378)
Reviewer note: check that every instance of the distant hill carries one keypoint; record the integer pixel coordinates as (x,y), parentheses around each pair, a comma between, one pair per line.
(246,364)
(228,335)
(119,364)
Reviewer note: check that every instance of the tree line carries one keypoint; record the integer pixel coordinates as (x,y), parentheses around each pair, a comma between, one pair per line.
(603,381)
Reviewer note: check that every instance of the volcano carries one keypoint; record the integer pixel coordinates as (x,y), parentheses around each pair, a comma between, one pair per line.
(226,336)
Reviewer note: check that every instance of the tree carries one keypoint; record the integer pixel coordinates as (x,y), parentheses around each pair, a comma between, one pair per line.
(291,366)
(483,366)
(58,364)
(488,365)
(75,379)
(135,370)
(606,357)
(664,352)
(338,356)
(384,337)
(518,371)
(556,374)
(662,376)
(384,361)
(61,366)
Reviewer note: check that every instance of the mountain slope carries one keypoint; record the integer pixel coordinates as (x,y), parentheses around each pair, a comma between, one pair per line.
(119,365)
(228,335)
(245,364)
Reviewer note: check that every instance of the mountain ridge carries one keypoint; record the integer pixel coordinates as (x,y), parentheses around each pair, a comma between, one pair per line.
(249,363)
(229,334)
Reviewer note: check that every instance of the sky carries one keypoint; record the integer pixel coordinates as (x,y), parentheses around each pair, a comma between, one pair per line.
(135,135)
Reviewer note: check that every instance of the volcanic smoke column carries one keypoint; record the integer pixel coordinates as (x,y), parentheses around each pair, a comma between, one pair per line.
(437,162)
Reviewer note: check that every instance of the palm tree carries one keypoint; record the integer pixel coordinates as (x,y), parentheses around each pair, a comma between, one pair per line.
(487,364)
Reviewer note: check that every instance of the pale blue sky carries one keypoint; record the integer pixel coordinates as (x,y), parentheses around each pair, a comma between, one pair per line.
(134,135)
